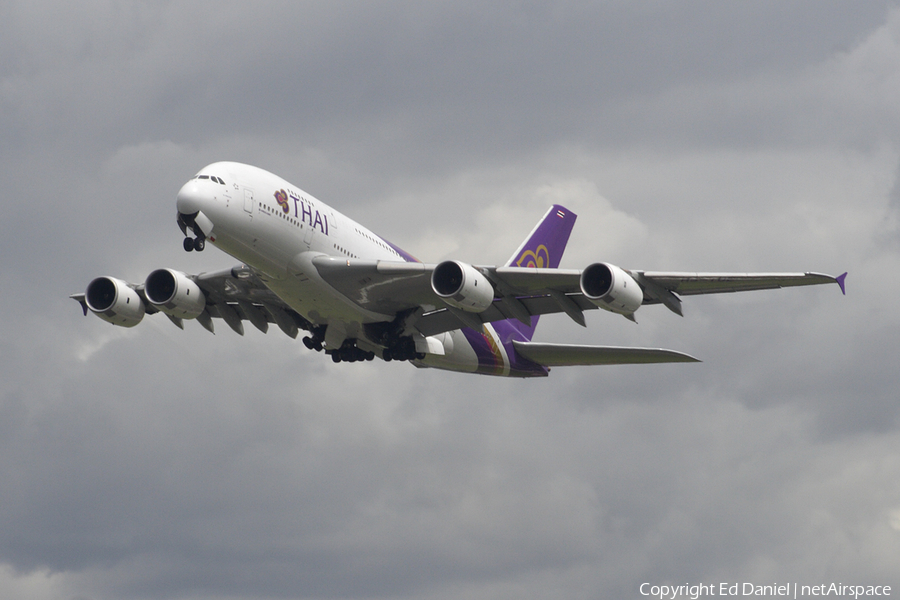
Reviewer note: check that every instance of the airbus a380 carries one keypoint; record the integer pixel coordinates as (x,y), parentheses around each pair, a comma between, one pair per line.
(306,266)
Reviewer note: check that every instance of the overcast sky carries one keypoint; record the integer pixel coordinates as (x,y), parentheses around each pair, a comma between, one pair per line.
(155,463)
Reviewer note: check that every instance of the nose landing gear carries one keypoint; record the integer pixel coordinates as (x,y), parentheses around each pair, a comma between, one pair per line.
(186,222)
(198,244)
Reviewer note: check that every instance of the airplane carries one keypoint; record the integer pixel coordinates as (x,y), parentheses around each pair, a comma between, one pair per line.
(304,265)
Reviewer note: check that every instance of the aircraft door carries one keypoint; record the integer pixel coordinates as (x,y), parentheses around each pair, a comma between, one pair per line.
(248,201)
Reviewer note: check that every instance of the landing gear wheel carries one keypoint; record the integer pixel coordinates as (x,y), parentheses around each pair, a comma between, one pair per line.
(188,244)
(199,244)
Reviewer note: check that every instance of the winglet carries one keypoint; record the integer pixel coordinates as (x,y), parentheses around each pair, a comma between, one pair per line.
(81,300)
(840,281)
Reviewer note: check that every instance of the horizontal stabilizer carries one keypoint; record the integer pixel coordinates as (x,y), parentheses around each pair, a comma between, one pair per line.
(561,355)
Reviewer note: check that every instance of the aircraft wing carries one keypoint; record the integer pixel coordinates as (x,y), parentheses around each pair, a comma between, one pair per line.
(403,291)
(239,294)
(688,284)
(390,287)
(233,295)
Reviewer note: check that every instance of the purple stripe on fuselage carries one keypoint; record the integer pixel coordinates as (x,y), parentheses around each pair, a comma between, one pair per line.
(403,253)
(510,330)
(490,358)
(490,362)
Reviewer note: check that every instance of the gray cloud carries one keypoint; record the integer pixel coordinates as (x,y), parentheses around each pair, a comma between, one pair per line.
(156,463)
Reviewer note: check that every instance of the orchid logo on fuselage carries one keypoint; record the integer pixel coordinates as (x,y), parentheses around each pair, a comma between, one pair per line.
(537,258)
(282,199)
(304,210)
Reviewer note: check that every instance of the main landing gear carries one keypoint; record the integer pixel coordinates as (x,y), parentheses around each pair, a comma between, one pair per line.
(395,348)
(348,352)
(403,349)
(313,343)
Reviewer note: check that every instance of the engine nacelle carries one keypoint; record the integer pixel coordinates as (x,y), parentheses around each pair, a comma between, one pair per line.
(174,293)
(611,288)
(462,286)
(114,301)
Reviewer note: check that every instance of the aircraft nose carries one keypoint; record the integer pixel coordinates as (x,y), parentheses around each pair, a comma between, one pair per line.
(190,198)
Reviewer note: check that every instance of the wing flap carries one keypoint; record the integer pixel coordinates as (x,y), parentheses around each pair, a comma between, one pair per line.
(440,320)
(384,287)
(238,294)
(561,355)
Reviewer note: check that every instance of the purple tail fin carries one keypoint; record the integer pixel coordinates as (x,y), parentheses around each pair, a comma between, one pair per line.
(547,241)
(543,249)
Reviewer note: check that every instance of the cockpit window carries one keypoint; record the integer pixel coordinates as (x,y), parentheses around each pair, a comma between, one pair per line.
(218,180)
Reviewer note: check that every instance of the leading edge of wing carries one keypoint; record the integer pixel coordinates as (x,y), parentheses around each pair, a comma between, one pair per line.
(562,355)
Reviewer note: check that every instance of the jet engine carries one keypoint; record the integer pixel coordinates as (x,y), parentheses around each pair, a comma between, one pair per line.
(611,288)
(114,301)
(462,286)
(174,293)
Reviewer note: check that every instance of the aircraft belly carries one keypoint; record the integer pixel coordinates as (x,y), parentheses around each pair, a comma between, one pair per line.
(461,357)
(492,357)
(315,302)
(282,256)
(483,352)
(259,243)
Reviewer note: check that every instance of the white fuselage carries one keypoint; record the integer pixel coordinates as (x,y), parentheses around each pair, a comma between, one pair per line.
(276,228)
